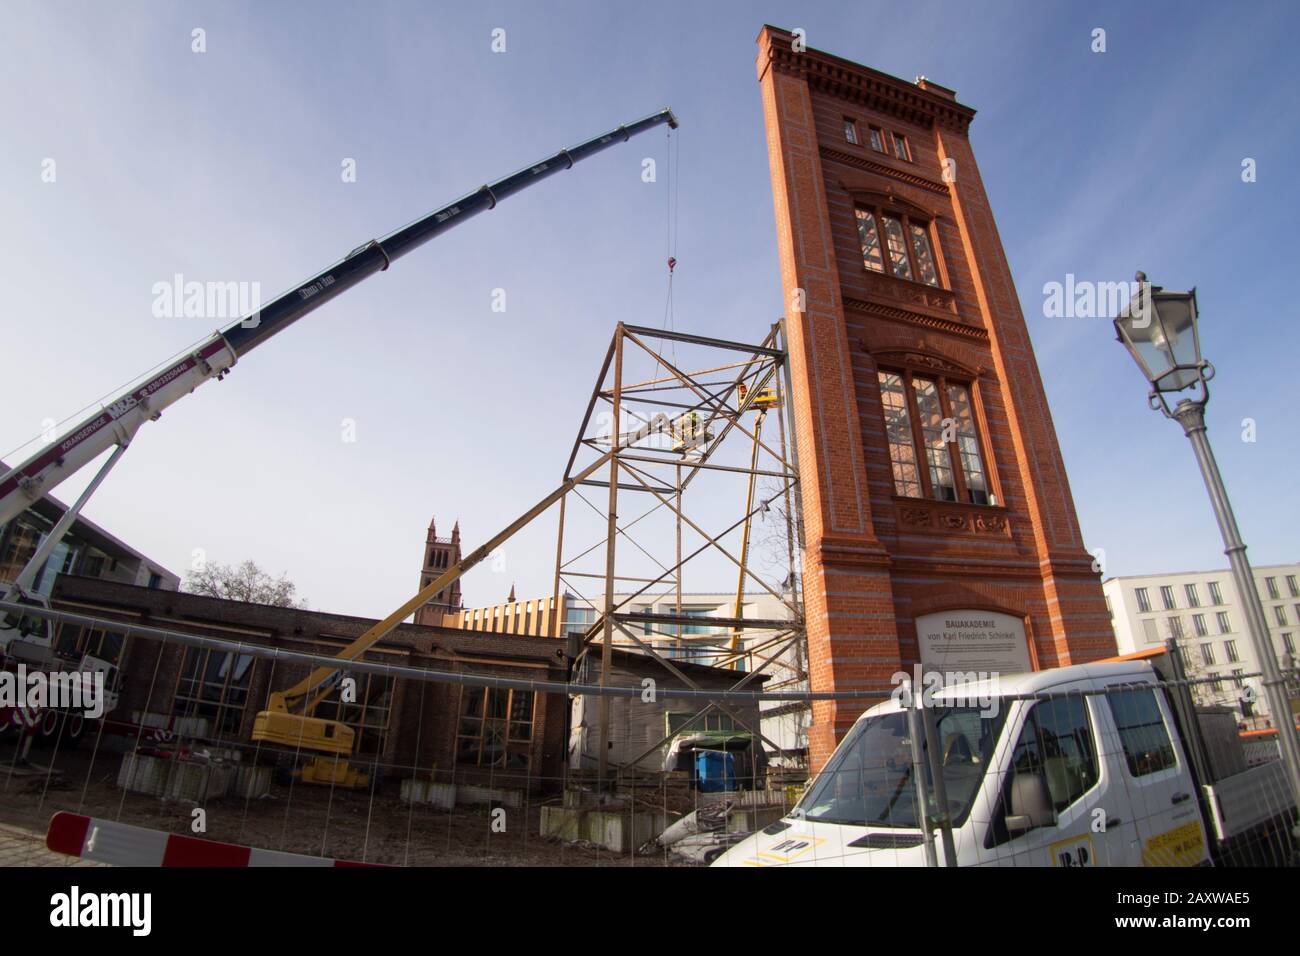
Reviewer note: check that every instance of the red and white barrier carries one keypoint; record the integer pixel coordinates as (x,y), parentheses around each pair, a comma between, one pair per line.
(121,844)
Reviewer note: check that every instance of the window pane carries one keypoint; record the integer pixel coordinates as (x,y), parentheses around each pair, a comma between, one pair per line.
(851,131)
(877,140)
(936,450)
(898,431)
(968,445)
(897,248)
(900,147)
(1057,745)
(870,239)
(924,256)
(1142,732)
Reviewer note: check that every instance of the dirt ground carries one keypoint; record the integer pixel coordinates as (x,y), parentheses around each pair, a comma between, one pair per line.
(298,818)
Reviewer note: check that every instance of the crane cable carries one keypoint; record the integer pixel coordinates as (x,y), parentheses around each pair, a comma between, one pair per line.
(670,202)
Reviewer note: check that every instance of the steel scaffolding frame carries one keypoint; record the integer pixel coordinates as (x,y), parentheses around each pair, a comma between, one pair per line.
(660,435)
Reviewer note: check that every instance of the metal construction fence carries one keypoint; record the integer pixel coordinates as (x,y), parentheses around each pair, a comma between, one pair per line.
(466,766)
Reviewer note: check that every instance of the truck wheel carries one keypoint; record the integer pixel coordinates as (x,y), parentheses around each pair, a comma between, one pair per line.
(46,730)
(74,728)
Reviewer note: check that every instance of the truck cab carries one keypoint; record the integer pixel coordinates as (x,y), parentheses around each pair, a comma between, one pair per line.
(1036,773)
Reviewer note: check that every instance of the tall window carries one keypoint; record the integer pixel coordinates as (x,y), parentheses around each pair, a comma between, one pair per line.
(1144,601)
(938,416)
(1230,648)
(1167,597)
(850,131)
(1224,625)
(1216,596)
(1193,599)
(74,641)
(1198,622)
(877,138)
(1207,653)
(24,539)
(1292,585)
(214,685)
(907,242)
(1279,612)
(1175,627)
(901,150)
(496,728)
(1271,584)
(368,713)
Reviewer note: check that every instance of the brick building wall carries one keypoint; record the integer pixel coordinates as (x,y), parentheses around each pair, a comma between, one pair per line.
(423,716)
(875,559)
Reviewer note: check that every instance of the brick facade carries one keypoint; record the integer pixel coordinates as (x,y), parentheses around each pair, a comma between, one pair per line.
(421,734)
(874,560)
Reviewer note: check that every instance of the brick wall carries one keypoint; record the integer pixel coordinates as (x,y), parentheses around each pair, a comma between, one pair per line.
(874,561)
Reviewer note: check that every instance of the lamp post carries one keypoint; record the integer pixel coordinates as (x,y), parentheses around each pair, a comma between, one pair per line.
(1159,328)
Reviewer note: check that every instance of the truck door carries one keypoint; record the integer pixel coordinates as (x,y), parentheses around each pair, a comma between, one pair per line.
(1156,776)
(1050,791)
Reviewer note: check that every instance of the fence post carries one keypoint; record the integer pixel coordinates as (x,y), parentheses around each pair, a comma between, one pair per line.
(916,733)
(944,817)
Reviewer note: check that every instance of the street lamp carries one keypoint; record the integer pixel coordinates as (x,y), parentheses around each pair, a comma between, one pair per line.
(1158,328)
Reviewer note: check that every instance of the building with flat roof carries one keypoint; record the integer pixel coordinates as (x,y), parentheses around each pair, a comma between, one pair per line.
(87,550)
(784,723)
(1202,611)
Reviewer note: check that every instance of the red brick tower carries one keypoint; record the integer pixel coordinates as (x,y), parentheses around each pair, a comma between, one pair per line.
(932,480)
(439,555)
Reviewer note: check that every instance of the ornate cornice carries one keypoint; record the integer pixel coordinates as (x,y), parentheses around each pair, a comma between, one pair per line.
(869,88)
(883,169)
(925,320)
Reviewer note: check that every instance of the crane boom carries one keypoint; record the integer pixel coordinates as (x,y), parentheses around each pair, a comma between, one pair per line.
(116,422)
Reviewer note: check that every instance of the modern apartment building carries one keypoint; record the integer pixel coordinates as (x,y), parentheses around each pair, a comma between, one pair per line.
(1202,610)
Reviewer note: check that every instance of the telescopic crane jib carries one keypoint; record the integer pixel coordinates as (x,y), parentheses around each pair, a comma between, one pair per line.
(115,424)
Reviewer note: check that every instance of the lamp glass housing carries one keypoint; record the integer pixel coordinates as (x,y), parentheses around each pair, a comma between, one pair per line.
(1160,331)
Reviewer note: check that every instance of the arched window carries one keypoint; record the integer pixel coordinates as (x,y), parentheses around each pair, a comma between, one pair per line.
(897,242)
(935,447)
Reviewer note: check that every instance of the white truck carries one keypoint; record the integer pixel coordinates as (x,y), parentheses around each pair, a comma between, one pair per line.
(1089,765)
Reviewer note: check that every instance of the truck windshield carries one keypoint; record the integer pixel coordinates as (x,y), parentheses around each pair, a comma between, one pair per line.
(868,780)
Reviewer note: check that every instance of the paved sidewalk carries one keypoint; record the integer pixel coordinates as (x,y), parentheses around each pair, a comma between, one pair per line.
(20,847)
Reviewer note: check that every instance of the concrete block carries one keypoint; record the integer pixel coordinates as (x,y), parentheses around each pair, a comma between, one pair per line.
(619,831)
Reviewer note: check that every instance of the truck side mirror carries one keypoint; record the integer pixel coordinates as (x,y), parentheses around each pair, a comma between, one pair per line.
(1030,803)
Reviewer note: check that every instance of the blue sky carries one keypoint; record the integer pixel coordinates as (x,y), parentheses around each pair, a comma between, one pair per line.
(226,166)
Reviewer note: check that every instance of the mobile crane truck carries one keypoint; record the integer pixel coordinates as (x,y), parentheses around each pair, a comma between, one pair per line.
(29,639)
(1102,764)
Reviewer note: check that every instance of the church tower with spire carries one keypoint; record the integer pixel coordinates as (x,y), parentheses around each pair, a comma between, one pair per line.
(439,555)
